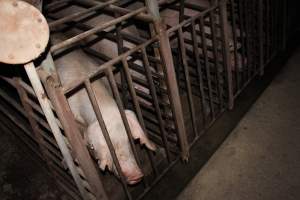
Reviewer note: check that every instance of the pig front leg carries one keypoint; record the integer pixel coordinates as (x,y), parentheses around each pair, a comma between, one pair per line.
(137,131)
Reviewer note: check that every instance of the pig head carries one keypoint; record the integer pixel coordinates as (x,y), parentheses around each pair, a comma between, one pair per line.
(75,65)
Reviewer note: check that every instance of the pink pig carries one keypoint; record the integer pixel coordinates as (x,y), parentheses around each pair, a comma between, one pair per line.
(76,65)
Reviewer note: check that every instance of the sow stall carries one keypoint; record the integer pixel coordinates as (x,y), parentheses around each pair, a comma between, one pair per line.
(177,64)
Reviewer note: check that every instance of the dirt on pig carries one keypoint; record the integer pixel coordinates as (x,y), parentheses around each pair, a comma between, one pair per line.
(20,176)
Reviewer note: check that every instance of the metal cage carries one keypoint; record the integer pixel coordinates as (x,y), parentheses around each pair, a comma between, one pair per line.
(186,64)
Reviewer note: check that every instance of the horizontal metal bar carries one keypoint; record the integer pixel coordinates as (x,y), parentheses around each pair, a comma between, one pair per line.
(94,30)
(79,14)
(110,63)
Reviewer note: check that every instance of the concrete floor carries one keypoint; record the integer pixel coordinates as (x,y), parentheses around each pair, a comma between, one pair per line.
(261,157)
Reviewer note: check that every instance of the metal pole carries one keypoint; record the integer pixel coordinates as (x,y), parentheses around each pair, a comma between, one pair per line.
(226,53)
(260,35)
(166,56)
(40,93)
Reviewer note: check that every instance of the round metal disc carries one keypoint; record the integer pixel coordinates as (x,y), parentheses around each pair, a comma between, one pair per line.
(24,32)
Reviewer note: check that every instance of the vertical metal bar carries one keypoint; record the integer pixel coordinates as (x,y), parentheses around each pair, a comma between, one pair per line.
(215,52)
(267,24)
(187,79)
(284,25)
(249,38)
(199,70)
(226,53)
(166,56)
(155,100)
(234,35)
(121,108)
(73,134)
(137,106)
(243,43)
(207,65)
(260,35)
(34,125)
(120,44)
(181,11)
(40,93)
(101,122)
(173,91)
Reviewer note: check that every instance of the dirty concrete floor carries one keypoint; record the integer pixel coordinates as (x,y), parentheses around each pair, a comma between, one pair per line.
(22,178)
(261,157)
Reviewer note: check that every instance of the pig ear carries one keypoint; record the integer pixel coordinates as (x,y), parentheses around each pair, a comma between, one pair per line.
(137,131)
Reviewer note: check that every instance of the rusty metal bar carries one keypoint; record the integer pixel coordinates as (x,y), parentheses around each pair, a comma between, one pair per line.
(156,102)
(199,70)
(187,79)
(67,119)
(166,56)
(284,27)
(206,64)
(181,10)
(226,53)
(19,108)
(94,30)
(79,14)
(121,108)
(261,42)
(40,93)
(243,45)
(116,9)
(215,45)
(234,35)
(110,63)
(137,107)
(105,133)
(32,122)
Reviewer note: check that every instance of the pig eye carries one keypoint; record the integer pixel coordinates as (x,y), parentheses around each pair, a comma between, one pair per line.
(91,147)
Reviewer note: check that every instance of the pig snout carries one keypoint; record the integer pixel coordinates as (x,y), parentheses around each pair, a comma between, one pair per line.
(131,172)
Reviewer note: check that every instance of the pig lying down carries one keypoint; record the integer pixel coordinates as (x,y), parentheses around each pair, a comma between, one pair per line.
(76,65)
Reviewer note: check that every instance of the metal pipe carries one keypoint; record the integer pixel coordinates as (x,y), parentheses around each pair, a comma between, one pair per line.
(79,14)
(94,30)
(166,56)
(101,122)
(116,9)
(39,90)
(226,53)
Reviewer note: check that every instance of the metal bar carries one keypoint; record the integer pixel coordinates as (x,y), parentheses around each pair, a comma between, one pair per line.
(40,93)
(284,25)
(181,11)
(187,80)
(199,70)
(110,63)
(234,35)
(168,67)
(137,106)
(243,45)
(260,30)
(215,52)
(94,30)
(226,53)
(121,108)
(105,133)
(79,14)
(32,122)
(116,9)
(156,102)
(207,66)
